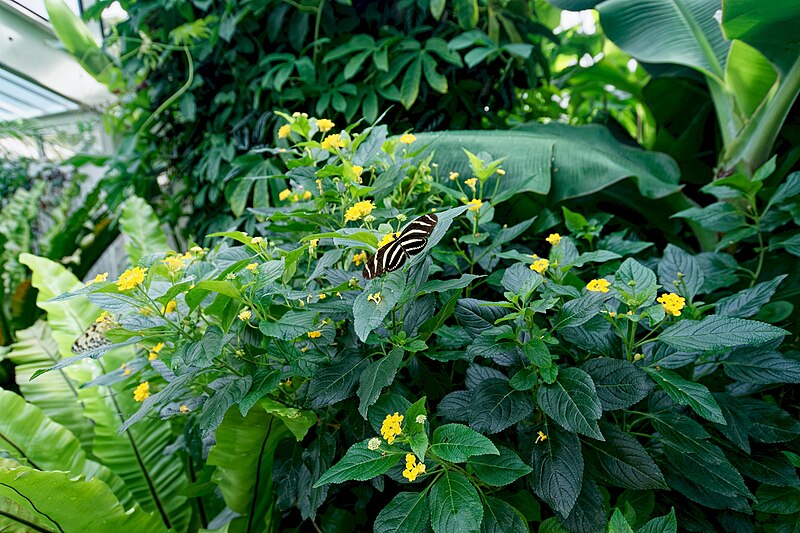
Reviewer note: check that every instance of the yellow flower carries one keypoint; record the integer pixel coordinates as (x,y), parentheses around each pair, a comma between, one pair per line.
(554,239)
(475,204)
(501,172)
(359,258)
(672,303)
(197,250)
(245,315)
(173,263)
(357,170)
(471,183)
(306,195)
(453,176)
(386,239)
(541,438)
(142,392)
(127,371)
(145,311)
(333,141)
(171,307)
(407,138)
(184,409)
(99,278)
(314,334)
(313,243)
(252,267)
(374,443)
(323,296)
(359,211)
(284,131)
(390,428)
(598,285)
(284,194)
(133,277)
(325,125)
(374,298)
(540,265)
(413,469)
(256,240)
(155,350)
(104,317)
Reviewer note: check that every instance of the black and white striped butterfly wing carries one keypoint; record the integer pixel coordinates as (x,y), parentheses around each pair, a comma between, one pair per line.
(415,236)
(411,241)
(93,338)
(387,259)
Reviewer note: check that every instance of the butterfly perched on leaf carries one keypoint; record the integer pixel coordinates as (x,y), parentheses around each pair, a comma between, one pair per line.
(412,240)
(95,336)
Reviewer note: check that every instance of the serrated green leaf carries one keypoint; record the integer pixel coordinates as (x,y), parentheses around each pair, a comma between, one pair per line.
(407,512)
(335,382)
(580,310)
(762,366)
(716,331)
(680,273)
(501,517)
(635,284)
(457,443)
(748,302)
(454,504)
(229,390)
(618,524)
(619,384)
(778,500)
(662,524)
(685,392)
(495,406)
(557,468)
(291,325)
(623,462)
(359,464)
(572,402)
(498,470)
(201,353)
(378,374)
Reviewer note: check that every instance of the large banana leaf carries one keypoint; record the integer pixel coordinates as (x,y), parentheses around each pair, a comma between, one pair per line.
(243,456)
(143,233)
(55,393)
(156,480)
(65,503)
(32,439)
(771,27)
(684,32)
(556,159)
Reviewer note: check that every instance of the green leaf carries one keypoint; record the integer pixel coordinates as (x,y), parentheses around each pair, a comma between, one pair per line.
(457,443)
(454,504)
(719,216)
(580,310)
(229,390)
(476,316)
(556,159)
(447,284)
(498,470)
(618,524)
(572,402)
(557,468)
(501,517)
(409,88)
(680,273)
(750,76)
(708,468)
(466,13)
(243,457)
(619,384)
(716,332)
(291,325)
(53,495)
(778,500)
(359,464)
(683,32)
(437,81)
(766,27)
(685,392)
(635,283)
(367,315)
(762,366)
(748,302)
(407,512)
(202,353)
(589,509)
(662,524)
(335,382)
(623,462)
(495,406)
(265,380)
(142,229)
(297,421)
(379,374)
(769,423)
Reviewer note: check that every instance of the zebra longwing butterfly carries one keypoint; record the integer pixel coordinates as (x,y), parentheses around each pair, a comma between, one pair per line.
(412,240)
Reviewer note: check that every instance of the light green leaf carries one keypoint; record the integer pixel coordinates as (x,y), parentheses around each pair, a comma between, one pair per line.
(662,524)
(359,464)
(635,283)
(457,443)
(454,504)
(716,331)
(142,229)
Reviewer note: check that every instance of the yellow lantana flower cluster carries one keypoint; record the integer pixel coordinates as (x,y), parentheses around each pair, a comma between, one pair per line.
(133,277)
(171,307)
(284,131)
(359,210)
(315,334)
(672,303)
(413,469)
(333,141)
(359,258)
(386,239)
(553,239)
(142,392)
(390,428)
(173,263)
(286,194)
(598,285)
(407,138)
(475,204)
(325,125)
(99,278)
(245,315)
(155,350)
(540,265)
